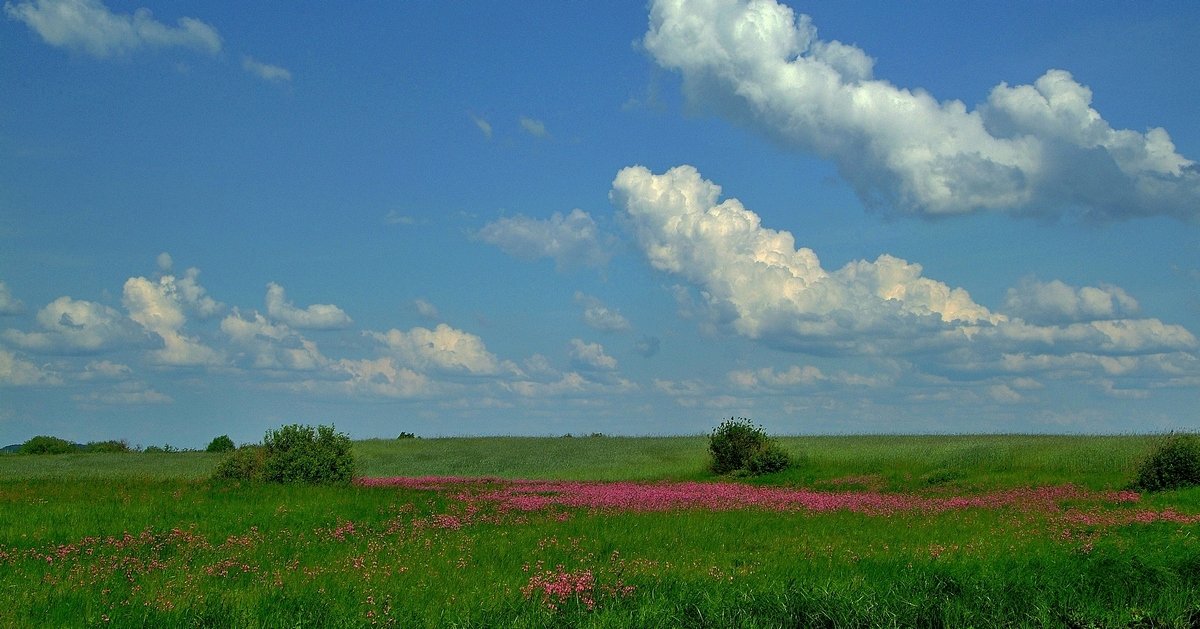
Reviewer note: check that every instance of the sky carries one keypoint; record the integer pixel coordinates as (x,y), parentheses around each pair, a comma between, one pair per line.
(548,218)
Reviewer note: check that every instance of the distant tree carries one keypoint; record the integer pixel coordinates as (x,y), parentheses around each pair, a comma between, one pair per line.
(738,446)
(220,444)
(44,444)
(110,447)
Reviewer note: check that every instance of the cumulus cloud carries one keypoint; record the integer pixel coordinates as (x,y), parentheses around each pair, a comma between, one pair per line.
(158,307)
(443,348)
(534,127)
(1037,148)
(17,372)
(90,27)
(381,377)
(1056,302)
(70,326)
(600,317)
(266,345)
(105,370)
(591,356)
(9,305)
(765,288)
(572,240)
(265,71)
(314,317)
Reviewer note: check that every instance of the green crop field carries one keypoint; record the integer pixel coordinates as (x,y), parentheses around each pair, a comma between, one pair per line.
(879,531)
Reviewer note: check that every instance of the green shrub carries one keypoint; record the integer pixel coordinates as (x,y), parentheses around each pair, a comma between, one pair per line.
(1174,462)
(166,448)
(739,445)
(406,435)
(108,447)
(245,463)
(771,458)
(301,454)
(221,444)
(44,444)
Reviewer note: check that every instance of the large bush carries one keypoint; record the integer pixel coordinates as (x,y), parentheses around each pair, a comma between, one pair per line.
(293,454)
(220,444)
(44,444)
(111,446)
(1174,463)
(737,445)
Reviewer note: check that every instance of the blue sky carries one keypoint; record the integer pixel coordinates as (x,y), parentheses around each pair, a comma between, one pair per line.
(548,218)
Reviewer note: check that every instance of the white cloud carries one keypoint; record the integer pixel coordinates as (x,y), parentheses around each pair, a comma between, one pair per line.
(426,309)
(534,127)
(443,348)
(265,71)
(761,286)
(165,262)
(1056,302)
(158,307)
(271,346)
(484,126)
(314,317)
(378,377)
(600,317)
(571,240)
(194,296)
(76,326)
(105,370)
(15,371)
(591,356)
(9,305)
(125,394)
(89,26)
(1032,148)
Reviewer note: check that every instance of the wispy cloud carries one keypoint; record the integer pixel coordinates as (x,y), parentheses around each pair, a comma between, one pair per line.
(9,305)
(534,127)
(90,27)
(600,317)
(484,126)
(265,71)
(571,240)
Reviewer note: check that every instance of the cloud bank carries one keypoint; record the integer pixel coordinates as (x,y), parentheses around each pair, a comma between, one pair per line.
(1039,148)
(761,286)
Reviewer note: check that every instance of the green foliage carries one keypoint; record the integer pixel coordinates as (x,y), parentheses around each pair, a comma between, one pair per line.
(221,444)
(44,444)
(293,454)
(107,447)
(246,463)
(738,445)
(1174,463)
(406,435)
(302,454)
(163,449)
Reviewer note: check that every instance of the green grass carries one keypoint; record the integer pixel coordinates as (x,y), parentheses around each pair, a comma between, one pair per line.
(147,540)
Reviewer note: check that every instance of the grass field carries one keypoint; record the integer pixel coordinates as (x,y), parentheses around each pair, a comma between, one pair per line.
(957,531)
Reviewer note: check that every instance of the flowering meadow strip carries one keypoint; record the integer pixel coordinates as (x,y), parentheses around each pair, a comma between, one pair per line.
(532,495)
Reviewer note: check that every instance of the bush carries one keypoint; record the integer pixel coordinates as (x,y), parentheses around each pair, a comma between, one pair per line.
(166,448)
(221,444)
(1174,463)
(108,447)
(739,445)
(44,444)
(245,463)
(300,454)
(406,435)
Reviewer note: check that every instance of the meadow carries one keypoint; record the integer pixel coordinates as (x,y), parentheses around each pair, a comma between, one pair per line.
(869,531)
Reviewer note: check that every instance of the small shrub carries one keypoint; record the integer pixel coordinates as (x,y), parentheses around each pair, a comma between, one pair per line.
(406,435)
(737,444)
(107,447)
(300,454)
(221,444)
(1174,463)
(44,444)
(771,458)
(166,448)
(246,463)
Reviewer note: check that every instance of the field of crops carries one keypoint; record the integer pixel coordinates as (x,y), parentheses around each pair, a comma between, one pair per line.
(926,531)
